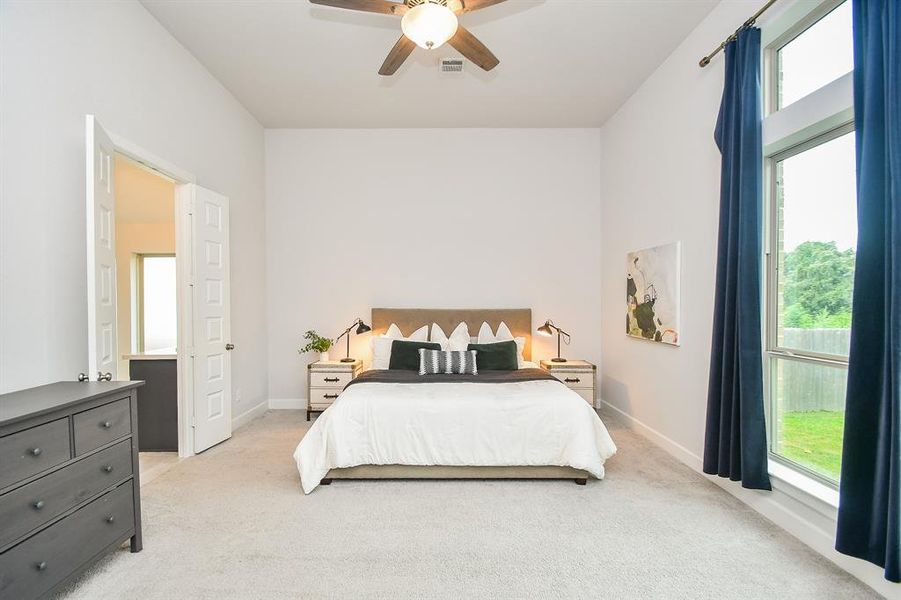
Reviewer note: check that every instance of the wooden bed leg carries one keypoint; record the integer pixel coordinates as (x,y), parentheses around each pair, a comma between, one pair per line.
(581,481)
(325,482)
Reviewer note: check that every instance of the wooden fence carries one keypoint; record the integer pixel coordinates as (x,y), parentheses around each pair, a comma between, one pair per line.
(805,387)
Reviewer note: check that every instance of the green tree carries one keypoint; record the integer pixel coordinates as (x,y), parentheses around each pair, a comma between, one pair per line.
(818,282)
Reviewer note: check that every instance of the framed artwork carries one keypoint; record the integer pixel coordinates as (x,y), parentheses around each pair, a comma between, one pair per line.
(652,293)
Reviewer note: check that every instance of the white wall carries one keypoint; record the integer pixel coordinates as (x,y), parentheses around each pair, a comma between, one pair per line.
(660,182)
(131,239)
(59,61)
(456,218)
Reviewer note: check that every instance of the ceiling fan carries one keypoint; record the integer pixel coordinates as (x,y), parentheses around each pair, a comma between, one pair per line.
(427,24)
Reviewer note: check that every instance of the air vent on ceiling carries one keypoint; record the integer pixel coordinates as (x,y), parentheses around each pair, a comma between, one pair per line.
(451,65)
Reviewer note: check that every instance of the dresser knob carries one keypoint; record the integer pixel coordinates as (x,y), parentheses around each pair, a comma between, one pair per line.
(108,469)
(106,424)
(41,566)
(110,519)
(35,451)
(38,505)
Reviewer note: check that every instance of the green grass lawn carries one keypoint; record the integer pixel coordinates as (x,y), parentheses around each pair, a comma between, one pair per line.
(814,439)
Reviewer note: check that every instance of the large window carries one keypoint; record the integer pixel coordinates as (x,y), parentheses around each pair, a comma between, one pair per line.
(819,55)
(156,322)
(812,237)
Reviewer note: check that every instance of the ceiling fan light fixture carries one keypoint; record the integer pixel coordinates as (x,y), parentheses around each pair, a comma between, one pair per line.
(429,25)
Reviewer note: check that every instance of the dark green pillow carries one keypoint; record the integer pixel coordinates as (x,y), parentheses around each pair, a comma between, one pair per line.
(499,356)
(405,355)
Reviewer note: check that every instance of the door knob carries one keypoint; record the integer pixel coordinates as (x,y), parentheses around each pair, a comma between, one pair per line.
(104,376)
(229,346)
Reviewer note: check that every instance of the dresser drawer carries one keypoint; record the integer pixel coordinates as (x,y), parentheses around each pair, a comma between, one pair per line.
(322,398)
(101,425)
(324,379)
(32,505)
(31,451)
(35,566)
(576,379)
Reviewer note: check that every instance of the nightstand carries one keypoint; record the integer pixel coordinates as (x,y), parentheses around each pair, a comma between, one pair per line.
(577,375)
(326,379)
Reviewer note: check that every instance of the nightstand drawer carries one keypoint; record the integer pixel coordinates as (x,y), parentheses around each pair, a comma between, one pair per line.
(576,379)
(325,379)
(322,397)
(586,393)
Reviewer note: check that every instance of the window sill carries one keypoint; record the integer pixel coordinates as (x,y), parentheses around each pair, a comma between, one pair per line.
(804,489)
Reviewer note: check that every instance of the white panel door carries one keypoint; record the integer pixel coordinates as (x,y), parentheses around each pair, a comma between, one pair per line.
(101,238)
(211,319)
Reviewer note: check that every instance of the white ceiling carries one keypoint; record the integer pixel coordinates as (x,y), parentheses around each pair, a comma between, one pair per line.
(564,63)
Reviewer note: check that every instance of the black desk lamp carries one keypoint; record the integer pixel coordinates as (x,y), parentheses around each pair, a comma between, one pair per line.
(361,328)
(548,329)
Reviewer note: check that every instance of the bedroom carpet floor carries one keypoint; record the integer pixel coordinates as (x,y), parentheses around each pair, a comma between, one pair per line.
(233,523)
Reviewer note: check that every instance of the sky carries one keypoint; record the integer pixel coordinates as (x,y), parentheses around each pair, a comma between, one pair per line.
(819,184)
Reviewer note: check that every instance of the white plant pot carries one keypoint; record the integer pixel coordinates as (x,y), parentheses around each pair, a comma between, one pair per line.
(323,356)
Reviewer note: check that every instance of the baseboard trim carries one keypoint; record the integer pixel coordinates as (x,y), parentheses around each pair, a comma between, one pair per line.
(287,403)
(249,415)
(781,508)
(683,454)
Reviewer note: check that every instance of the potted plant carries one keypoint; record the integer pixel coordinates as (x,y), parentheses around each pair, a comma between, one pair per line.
(316,343)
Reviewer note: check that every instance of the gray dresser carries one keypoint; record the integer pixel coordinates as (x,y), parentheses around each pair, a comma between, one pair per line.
(69,486)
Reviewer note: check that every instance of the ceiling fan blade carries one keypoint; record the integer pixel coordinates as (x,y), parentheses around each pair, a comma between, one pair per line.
(469,46)
(376,6)
(397,56)
(471,5)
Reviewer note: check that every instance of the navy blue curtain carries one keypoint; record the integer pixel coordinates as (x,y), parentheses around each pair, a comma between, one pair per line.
(869,514)
(735,441)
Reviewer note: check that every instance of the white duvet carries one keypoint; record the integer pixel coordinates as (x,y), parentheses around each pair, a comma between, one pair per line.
(471,424)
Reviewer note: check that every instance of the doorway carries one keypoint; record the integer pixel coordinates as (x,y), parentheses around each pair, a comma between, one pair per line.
(147,303)
(174,236)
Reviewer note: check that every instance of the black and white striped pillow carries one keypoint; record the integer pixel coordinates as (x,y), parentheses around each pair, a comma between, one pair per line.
(448,362)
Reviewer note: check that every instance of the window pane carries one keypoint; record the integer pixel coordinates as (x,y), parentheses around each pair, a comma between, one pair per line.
(809,411)
(816,209)
(820,55)
(158,282)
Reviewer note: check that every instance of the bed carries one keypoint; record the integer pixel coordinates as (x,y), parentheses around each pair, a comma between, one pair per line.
(521,424)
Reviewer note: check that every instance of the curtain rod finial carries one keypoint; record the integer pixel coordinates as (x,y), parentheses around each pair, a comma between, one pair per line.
(704,62)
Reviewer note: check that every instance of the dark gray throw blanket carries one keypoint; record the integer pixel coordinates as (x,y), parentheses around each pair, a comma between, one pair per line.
(405,376)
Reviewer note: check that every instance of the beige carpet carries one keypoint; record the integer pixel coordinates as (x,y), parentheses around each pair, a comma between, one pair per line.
(233,523)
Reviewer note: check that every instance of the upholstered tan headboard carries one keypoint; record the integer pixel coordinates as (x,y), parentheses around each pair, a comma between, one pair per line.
(519,320)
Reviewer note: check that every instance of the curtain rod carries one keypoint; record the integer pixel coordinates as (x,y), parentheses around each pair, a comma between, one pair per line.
(749,23)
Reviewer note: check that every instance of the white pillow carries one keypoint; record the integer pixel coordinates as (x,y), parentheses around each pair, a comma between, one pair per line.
(420,335)
(381,344)
(503,335)
(486,336)
(458,340)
